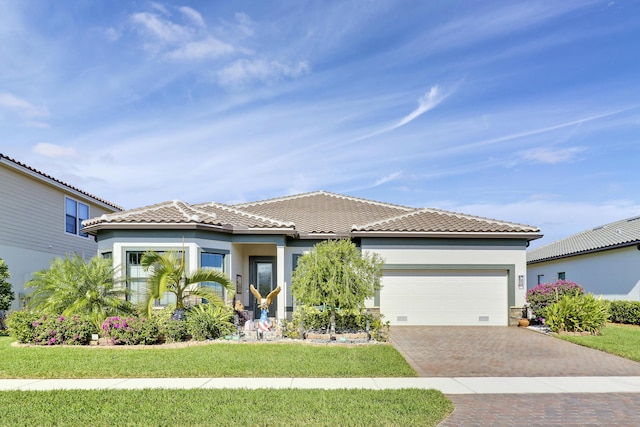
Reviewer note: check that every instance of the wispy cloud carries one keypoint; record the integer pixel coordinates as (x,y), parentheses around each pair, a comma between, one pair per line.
(54,151)
(22,106)
(533,132)
(159,30)
(178,40)
(552,156)
(208,48)
(193,15)
(243,71)
(426,102)
(388,178)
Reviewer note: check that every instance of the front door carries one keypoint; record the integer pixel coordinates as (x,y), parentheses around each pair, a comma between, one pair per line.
(262,274)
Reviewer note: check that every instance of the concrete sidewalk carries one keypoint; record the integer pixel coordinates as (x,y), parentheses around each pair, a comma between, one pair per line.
(449,386)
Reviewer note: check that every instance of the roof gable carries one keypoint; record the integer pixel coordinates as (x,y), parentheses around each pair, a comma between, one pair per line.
(625,232)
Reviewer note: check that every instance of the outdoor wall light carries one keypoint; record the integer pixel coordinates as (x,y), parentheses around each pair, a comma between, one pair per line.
(521,282)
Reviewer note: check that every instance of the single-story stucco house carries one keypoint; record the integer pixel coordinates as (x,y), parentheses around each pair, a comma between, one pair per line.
(604,260)
(440,268)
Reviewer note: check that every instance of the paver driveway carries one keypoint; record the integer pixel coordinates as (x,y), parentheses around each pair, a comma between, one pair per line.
(456,351)
(495,351)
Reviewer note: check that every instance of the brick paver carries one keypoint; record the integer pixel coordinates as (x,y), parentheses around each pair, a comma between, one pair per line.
(494,351)
(452,351)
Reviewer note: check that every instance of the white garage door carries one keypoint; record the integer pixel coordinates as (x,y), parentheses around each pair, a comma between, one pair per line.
(443,297)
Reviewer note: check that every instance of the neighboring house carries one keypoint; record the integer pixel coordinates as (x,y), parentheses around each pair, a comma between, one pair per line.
(40,219)
(440,268)
(604,260)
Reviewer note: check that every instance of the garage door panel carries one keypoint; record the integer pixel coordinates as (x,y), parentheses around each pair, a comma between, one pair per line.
(427,297)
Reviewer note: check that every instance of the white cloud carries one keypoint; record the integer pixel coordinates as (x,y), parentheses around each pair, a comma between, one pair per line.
(193,15)
(160,29)
(245,24)
(112,34)
(54,151)
(12,102)
(208,48)
(388,178)
(552,156)
(244,71)
(36,124)
(426,102)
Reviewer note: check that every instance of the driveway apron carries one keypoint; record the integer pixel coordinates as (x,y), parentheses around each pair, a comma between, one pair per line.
(460,351)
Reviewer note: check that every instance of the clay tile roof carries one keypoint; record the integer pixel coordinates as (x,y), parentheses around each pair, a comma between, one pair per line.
(437,221)
(50,178)
(177,212)
(625,232)
(322,212)
(318,213)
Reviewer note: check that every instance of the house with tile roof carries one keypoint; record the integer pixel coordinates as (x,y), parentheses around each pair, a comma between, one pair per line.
(440,268)
(604,260)
(40,219)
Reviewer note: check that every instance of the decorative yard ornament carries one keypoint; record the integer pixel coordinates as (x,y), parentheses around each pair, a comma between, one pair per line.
(264,303)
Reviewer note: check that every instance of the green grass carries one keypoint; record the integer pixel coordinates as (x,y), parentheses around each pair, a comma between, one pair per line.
(623,340)
(215,360)
(214,407)
(224,407)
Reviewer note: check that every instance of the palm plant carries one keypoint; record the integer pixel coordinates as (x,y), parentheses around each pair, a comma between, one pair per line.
(73,286)
(168,274)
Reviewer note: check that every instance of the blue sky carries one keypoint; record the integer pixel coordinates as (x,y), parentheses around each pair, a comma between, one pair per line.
(522,111)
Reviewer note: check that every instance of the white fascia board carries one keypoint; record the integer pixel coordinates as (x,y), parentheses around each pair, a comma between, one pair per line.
(486,235)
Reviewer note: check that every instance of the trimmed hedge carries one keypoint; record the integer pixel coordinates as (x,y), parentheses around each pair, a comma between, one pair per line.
(627,312)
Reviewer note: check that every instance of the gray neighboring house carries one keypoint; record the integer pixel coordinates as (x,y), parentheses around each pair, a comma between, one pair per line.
(40,219)
(440,268)
(604,260)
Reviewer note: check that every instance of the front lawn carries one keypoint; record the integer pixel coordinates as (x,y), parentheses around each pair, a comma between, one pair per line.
(623,340)
(229,407)
(206,361)
(224,407)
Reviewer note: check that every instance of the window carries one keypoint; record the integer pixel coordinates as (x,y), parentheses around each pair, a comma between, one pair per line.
(137,282)
(561,275)
(540,278)
(213,261)
(75,213)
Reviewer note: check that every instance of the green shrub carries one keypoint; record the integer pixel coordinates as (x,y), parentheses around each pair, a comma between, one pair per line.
(577,313)
(130,330)
(170,330)
(206,321)
(58,330)
(546,294)
(20,325)
(29,328)
(175,331)
(625,312)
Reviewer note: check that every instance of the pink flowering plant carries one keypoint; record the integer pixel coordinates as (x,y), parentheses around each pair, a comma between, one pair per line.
(545,294)
(29,328)
(130,330)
